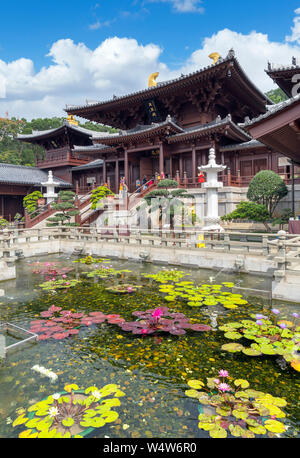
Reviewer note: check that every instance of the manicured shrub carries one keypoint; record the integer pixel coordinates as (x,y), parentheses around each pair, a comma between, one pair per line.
(267,188)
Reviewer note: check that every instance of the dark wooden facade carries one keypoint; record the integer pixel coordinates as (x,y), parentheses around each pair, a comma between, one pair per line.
(170,128)
(58,145)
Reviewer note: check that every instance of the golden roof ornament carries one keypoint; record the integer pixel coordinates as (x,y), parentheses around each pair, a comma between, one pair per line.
(72,120)
(152,79)
(215,56)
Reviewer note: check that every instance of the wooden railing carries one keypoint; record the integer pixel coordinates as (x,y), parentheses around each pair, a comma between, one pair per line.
(61,156)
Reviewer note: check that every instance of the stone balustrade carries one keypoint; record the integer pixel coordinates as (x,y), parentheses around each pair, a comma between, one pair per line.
(12,241)
(274,255)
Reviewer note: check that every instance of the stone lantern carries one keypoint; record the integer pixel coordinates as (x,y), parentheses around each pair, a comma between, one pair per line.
(212,219)
(50,185)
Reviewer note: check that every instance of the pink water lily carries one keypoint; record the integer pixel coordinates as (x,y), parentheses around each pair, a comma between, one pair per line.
(223,373)
(224,387)
(157,313)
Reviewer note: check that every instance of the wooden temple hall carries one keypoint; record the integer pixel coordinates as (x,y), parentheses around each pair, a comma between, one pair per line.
(167,129)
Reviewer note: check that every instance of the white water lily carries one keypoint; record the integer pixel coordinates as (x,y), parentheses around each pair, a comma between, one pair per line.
(96,394)
(53,412)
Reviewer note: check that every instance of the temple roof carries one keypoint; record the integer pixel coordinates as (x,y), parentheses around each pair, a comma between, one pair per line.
(279,128)
(90,148)
(91,165)
(172,133)
(226,73)
(282,75)
(140,132)
(40,134)
(22,175)
(272,111)
(252,144)
(224,126)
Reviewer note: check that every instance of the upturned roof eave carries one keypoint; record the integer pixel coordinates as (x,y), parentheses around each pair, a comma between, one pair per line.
(218,127)
(166,87)
(278,108)
(39,135)
(139,134)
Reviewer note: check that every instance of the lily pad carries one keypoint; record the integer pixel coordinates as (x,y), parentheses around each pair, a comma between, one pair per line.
(232,347)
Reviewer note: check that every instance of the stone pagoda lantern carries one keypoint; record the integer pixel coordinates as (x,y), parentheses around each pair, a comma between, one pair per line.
(50,185)
(212,219)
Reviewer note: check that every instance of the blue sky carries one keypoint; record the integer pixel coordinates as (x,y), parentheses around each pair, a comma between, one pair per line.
(40,41)
(28,29)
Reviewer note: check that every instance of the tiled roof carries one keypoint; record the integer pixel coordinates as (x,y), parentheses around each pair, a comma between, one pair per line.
(151,90)
(272,67)
(273,109)
(19,174)
(90,165)
(240,146)
(90,148)
(139,130)
(205,128)
(82,130)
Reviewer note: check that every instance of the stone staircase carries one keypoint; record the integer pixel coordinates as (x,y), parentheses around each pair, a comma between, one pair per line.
(123,208)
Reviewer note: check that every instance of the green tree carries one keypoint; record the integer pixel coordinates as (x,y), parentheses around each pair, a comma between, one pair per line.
(65,207)
(267,188)
(30,202)
(167,201)
(99,194)
(277,95)
(249,211)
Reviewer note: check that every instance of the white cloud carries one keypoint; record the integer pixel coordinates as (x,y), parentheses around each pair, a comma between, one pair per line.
(252,50)
(295,36)
(76,73)
(120,66)
(98,24)
(183,6)
(95,26)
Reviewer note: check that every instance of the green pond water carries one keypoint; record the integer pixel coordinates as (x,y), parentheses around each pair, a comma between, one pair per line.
(151,371)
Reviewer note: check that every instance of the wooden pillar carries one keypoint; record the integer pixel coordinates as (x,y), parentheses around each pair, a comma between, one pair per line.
(293,189)
(222,158)
(117,177)
(126,174)
(181,167)
(104,171)
(228,177)
(161,159)
(194,172)
(171,168)
(185,180)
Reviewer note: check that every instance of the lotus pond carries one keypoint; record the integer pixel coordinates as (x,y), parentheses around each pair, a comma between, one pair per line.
(136,350)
